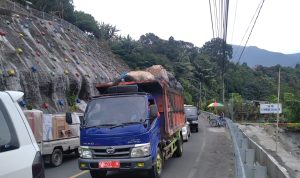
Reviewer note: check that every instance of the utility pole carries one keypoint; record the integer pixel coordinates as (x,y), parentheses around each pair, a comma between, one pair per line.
(232,107)
(200,99)
(223,89)
(278,95)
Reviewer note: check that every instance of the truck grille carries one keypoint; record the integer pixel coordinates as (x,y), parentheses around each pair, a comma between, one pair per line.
(111,152)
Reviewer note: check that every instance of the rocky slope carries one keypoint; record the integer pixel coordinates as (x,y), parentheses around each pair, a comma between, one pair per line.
(51,64)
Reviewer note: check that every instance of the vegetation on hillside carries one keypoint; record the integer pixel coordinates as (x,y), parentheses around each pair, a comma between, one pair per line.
(65,10)
(192,65)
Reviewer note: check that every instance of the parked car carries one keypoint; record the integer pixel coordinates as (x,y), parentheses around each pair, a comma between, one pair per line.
(191,115)
(20,155)
(186,132)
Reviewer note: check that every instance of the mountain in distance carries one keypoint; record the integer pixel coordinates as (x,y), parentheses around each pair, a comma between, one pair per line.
(254,56)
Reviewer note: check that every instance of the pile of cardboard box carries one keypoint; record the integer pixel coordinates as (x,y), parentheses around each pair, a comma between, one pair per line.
(49,127)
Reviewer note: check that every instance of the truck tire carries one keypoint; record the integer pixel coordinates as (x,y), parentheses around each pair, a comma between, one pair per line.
(156,170)
(179,145)
(98,173)
(56,157)
(197,129)
(76,152)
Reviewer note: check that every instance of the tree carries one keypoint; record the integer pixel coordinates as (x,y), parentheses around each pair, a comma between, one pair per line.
(86,22)
(216,48)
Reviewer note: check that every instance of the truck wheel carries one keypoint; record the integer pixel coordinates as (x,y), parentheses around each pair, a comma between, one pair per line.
(156,170)
(179,145)
(56,157)
(76,152)
(98,174)
(197,129)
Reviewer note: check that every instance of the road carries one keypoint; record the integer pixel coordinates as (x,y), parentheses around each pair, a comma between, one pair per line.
(207,154)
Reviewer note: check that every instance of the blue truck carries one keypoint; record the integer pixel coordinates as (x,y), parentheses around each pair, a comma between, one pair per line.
(132,126)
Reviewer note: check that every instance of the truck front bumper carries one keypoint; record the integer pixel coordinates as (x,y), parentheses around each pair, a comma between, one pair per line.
(125,164)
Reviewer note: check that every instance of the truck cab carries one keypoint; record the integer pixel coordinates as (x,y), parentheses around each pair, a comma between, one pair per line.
(125,129)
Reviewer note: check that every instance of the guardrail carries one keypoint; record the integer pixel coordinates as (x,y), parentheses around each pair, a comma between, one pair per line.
(246,165)
(252,159)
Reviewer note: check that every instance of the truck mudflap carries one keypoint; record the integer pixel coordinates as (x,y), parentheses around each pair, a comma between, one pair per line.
(123,164)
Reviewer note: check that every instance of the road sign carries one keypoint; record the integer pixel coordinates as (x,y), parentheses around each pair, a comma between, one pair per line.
(270,108)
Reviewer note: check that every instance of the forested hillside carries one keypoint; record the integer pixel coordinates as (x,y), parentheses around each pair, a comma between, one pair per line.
(193,65)
(254,56)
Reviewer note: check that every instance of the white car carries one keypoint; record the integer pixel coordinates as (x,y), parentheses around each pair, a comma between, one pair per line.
(186,132)
(19,153)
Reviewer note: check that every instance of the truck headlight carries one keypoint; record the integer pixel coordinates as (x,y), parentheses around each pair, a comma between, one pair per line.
(141,150)
(85,152)
(195,122)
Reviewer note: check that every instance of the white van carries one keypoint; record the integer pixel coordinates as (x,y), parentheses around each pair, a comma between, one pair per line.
(19,153)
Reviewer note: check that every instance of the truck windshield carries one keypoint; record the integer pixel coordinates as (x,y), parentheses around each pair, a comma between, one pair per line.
(190,111)
(116,110)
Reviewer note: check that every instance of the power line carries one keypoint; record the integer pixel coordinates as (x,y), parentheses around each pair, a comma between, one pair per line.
(251,23)
(212,24)
(216,18)
(263,1)
(236,5)
(219,18)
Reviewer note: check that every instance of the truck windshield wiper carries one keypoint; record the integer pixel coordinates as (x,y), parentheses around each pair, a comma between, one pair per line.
(126,123)
(99,125)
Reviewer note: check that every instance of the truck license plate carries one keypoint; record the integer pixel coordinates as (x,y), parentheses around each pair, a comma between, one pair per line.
(109,164)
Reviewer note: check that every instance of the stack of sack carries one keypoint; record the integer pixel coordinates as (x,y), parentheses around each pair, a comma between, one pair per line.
(138,76)
(159,72)
(49,127)
(155,72)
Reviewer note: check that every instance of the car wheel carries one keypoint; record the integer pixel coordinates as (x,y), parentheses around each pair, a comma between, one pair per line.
(56,157)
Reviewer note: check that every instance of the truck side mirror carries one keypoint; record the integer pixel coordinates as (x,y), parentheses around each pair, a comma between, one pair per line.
(153,111)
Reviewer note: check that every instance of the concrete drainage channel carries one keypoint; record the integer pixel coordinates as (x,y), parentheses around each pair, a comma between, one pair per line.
(251,160)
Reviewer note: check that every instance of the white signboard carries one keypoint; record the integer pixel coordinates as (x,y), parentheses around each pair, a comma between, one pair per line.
(270,108)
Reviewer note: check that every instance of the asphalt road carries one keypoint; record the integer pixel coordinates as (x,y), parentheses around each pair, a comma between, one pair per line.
(207,154)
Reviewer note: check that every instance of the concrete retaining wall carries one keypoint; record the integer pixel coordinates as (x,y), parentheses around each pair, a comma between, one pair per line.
(274,170)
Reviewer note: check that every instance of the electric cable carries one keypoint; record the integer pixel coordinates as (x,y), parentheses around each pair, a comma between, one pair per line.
(251,30)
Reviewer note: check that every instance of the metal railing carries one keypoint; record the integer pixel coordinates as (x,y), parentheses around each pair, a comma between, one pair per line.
(251,160)
(245,164)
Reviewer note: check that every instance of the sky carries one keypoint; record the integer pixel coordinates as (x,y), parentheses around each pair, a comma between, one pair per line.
(277,28)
